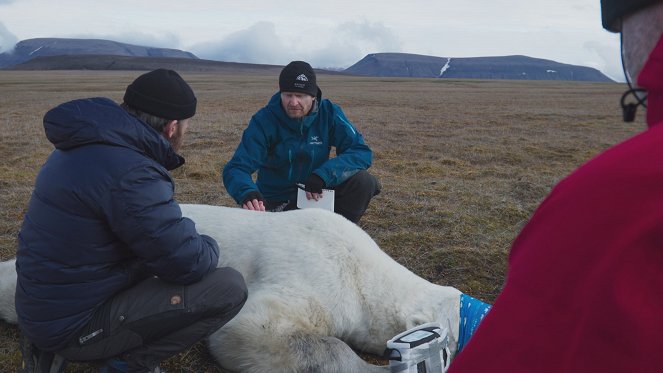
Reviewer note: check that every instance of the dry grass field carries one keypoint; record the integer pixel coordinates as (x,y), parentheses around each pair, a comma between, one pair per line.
(463,163)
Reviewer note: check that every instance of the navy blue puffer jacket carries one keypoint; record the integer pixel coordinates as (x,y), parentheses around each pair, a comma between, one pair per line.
(101,218)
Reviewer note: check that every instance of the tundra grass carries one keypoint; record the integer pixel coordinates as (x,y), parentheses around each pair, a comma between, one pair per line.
(463,163)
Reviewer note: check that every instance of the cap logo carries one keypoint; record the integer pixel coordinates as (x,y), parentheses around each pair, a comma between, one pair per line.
(302,77)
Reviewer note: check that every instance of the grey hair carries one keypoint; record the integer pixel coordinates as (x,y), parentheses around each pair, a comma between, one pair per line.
(640,32)
(153,121)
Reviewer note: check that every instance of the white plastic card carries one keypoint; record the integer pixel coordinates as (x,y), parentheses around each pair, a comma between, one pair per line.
(326,202)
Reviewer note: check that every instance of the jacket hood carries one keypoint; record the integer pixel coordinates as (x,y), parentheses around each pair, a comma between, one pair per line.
(102,121)
(276,108)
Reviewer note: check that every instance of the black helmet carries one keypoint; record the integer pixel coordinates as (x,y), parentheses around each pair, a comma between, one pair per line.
(613,10)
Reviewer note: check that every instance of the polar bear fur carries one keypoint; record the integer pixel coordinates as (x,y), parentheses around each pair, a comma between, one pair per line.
(7,290)
(318,285)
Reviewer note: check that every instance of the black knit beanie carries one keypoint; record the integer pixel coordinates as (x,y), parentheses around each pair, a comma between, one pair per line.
(613,10)
(162,93)
(298,76)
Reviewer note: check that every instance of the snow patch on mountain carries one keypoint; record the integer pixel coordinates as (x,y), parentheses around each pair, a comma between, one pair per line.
(445,67)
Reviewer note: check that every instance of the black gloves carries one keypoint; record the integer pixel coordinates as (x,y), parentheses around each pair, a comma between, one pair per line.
(251,196)
(314,184)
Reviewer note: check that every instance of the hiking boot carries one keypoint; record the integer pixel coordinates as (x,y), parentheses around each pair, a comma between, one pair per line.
(34,360)
(116,365)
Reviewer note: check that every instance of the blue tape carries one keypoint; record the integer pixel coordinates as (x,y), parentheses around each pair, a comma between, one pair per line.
(472,311)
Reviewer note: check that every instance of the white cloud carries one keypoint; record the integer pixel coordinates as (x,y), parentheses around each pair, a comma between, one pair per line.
(609,61)
(352,41)
(344,45)
(7,39)
(257,44)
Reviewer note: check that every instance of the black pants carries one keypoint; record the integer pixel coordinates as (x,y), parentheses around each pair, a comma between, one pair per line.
(154,320)
(352,197)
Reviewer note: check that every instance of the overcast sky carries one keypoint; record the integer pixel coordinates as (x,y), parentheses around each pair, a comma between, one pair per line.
(332,33)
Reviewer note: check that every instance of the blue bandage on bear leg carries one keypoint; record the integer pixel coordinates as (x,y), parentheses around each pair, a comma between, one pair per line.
(472,311)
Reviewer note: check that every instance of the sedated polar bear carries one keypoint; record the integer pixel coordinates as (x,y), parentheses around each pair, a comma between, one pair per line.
(319,287)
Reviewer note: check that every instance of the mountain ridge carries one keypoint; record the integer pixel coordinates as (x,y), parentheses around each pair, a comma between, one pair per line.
(515,67)
(100,54)
(113,62)
(29,49)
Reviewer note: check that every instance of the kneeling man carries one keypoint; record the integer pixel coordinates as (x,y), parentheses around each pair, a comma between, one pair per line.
(107,266)
(289,142)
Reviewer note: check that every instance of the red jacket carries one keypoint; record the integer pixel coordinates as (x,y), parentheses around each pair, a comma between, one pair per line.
(584,289)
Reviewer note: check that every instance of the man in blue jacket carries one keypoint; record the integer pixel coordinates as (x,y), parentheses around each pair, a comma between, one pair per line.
(289,142)
(107,266)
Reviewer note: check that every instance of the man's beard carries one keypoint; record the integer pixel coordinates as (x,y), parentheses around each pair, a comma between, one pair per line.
(177,139)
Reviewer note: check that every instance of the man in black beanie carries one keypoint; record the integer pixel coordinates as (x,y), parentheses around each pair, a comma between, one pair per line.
(108,269)
(288,143)
(583,288)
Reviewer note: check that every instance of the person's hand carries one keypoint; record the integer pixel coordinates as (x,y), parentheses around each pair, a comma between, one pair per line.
(254,204)
(253,201)
(313,187)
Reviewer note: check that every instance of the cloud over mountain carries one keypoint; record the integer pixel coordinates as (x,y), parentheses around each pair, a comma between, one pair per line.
(256,44)
(353,40)
(610,61)
(7,39)
(339,46)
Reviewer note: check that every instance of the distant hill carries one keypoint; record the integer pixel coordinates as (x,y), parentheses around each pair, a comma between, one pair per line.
(103,62)
(26,50)
(507,67)
(97,54)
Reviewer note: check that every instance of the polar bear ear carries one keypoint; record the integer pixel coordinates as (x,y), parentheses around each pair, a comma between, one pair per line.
(416,319)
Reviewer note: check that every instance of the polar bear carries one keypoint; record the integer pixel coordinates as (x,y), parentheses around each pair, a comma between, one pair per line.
(319,289)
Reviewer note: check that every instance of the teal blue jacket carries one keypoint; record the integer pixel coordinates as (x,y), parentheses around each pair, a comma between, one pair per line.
(286,151)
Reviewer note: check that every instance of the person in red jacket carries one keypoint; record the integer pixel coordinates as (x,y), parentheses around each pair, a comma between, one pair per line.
(585,277)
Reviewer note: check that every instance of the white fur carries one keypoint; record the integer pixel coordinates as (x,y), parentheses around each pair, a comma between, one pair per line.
(319,287)
(7,290)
